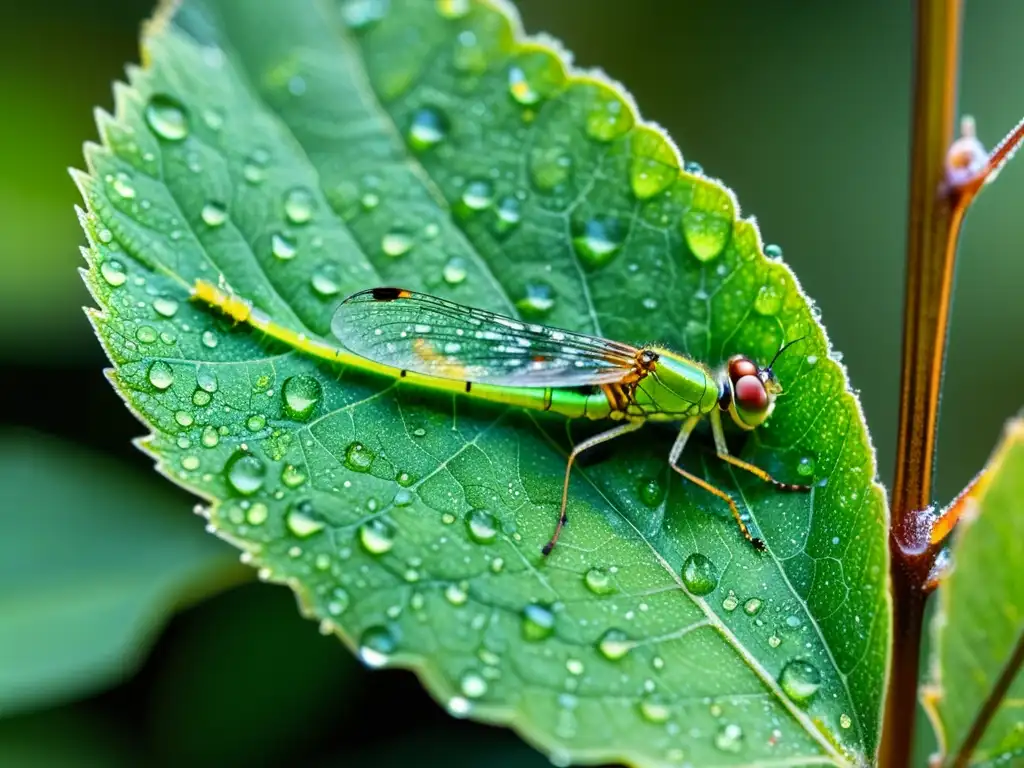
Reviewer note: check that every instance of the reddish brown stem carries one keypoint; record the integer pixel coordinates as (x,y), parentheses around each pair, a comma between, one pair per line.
(931,252)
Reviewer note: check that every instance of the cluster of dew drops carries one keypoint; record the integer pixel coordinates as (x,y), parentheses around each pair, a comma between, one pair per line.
(596,241)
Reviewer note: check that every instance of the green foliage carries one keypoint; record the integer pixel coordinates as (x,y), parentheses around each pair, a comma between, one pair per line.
(309,151)
(976,633)
(77,616)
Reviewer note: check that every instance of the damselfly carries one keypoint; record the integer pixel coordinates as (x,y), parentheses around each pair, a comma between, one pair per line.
(441,345)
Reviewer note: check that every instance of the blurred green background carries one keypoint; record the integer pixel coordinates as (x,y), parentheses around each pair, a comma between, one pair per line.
(802,108)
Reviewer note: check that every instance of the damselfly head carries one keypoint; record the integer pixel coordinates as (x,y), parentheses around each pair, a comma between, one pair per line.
(747,391)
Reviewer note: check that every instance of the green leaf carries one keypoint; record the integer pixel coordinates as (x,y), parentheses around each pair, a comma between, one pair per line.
(976,691)
(92,561)
(315,149)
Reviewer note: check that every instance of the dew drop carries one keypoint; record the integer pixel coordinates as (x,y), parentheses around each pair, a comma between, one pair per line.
(477,196)
(324,280)
(301,394)
(652,491)
(339,602)
(160,375)
(654,709)
(773,252)
(469,55)
(608,118)
(299,205)
(214,214)
(597,240)
(507,215)
(752,607)
(482,526)
(165,306)
(614,644)
(845,721)
(207,381)
(599,581)
(184,418)
(538,301)
(454,271)
(707,228)
(428,128)
(167,118)
(146,334)
(377,536)
(549,167)
(805,467)
(729,738)
(209,339)
(800,680)
(303,521)
(209,438)
(768,301)
(538,622)
(574,666)
(700,575)
(359,15)
(283,246)
(456,594)
(774,641)
(376,646)
(245,473)
(190,463)
(521,89)
(256,422)
(358,457)
(730,602)
(472,685)
(255,168)
(292,476)
(396,243)
(453,9)
(113,272)
(122,185)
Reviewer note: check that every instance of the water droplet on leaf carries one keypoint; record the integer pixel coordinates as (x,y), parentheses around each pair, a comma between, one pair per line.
(299,205)
(482,526)
(700,575)
(167,118)
(245,473)
(538,622)
(800,680)
(429,127)
(282,246)
(376,646)
(614,644)
(358,457)
(597,240)
(599,581)
(303,521)
(538,301)
(301,394)
(377,536)
(160,375)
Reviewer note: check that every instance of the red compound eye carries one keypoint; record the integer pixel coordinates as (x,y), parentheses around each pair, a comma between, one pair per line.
(751,399)
(740,366)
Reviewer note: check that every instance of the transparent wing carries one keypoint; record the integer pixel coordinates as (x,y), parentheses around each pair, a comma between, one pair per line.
(435,337)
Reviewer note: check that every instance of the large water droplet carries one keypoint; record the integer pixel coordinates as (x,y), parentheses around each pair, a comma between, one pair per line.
(303,521)
(729,738)
(654,709)
(800,680)
(454,271)
(507,215)
(214,214)
(773,252)
(396,243)
(160,375)
(707,224)
(167,118)
(377,536)
(299,205)
(845,721)
(805,467)
(599,581)
(359,15)
(614,644)
(469,55)
(473,685)
(538,622)
(245,473)
(358,457)
(325,280)
(700,575)
(654,166)
(456,594)
(538,301)
(301,394)
(752,607)
(478,195)
(292,476)
(283,246)
(597,240)
(165,306)
(429,127)
(482,526)
(113,272)
(608,117)
(652,491)
(376,646)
